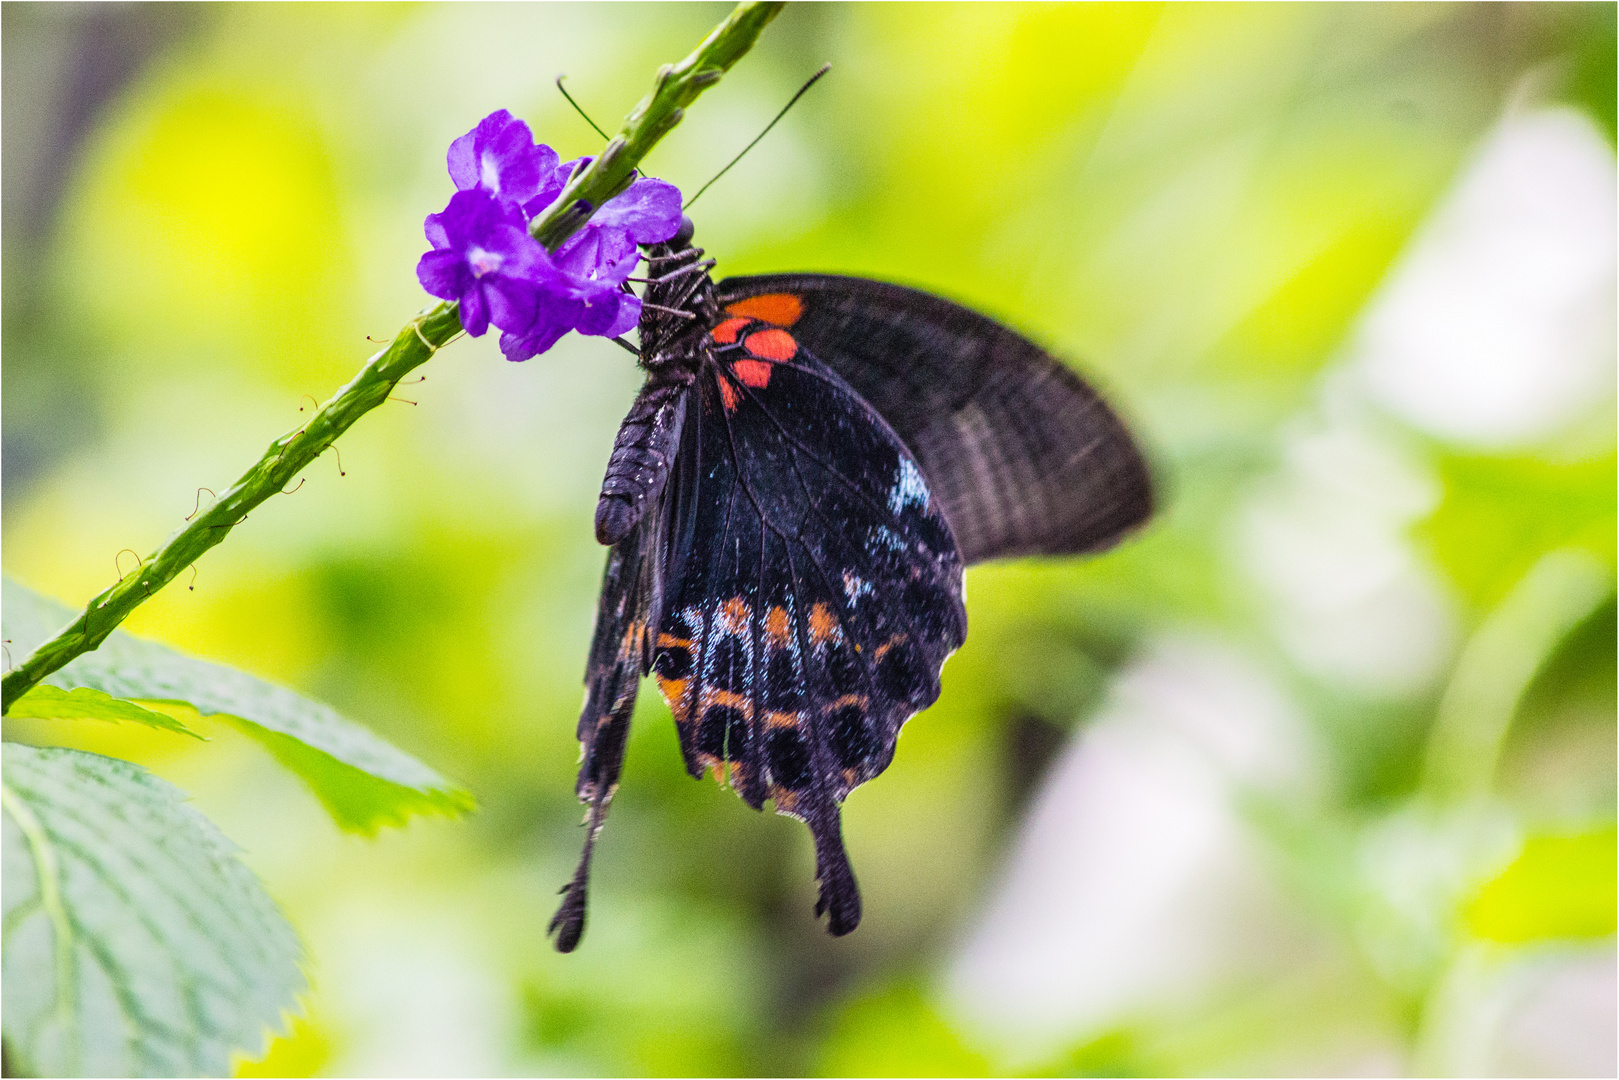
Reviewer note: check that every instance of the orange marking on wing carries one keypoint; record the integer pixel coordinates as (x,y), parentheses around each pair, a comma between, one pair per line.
(783,309)
(713,697)
(728,395)
(771,345)
(734,615)
(754,373)
(776,626)
(674,694)
(897,639)
(781,720)
(823,624)
(725,333)
(669,641)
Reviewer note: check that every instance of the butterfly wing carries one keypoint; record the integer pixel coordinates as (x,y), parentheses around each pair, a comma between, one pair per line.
(1023,456)
(619,654)
(813,591)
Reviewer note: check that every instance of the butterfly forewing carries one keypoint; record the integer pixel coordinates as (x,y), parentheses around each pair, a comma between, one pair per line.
(1024,457)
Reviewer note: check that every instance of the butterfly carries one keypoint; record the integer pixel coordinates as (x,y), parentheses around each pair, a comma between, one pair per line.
(790,505)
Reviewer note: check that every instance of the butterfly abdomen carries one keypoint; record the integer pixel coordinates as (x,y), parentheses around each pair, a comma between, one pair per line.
(642,453)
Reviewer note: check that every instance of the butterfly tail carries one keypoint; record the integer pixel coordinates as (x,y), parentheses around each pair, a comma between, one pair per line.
(840,895)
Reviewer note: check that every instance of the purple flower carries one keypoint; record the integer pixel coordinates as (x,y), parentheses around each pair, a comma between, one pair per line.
(647,212)
(551,185)
(484,259)
(596,261)
(597,306)
(500,156)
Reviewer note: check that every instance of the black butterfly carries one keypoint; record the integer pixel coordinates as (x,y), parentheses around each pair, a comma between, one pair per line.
(791,501)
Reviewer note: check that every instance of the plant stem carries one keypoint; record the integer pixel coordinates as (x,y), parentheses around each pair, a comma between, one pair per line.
(285,458)
(677,86)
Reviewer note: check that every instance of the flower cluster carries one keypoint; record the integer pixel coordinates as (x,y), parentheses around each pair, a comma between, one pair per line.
(484,258)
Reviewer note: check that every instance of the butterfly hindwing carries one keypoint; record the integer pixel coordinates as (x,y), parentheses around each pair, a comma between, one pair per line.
(817,597)
(618,655)
(1024,457)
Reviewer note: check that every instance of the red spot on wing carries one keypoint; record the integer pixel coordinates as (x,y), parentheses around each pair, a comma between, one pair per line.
(725,333)
(782,309)
(754,373)
(771,345)
(728,393)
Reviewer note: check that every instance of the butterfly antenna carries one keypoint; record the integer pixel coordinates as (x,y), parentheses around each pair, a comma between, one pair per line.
(580,111)
(801,90)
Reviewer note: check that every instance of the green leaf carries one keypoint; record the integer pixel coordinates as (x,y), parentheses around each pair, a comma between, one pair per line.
(46,702)
(1559,887)
(135,942)
(363,781)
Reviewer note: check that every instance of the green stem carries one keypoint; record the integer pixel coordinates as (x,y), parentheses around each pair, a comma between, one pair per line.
(677,86)
(284,459)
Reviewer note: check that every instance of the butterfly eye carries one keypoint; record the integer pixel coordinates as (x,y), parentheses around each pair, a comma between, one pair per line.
(683,235)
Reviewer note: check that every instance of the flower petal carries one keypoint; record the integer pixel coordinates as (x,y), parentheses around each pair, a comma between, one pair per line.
(474,313)
(585,252)
(512,302)
(648,211)
(524,257)
(629,316)
(610,314)
(500,157)
(462,159)
(469,217)
(434,228)
(551,186)
(444,274)
(510,165)
(546,331)
(619,272)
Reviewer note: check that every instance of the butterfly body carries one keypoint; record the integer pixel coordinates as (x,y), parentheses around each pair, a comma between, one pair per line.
(791,503)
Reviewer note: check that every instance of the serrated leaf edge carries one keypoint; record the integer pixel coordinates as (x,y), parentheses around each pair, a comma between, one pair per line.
(67,942)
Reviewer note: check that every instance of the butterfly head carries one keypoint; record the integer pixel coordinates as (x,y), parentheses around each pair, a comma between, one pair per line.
(681,240)
(679,306)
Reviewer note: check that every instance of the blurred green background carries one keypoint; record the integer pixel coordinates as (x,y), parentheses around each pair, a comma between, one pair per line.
(1316,775)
